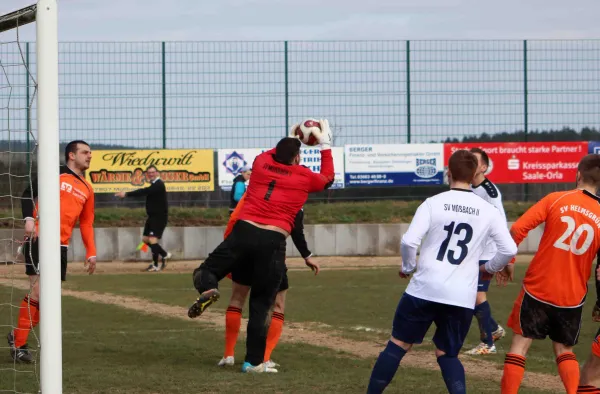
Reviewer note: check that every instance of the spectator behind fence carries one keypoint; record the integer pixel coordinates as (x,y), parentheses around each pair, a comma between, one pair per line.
(238,188)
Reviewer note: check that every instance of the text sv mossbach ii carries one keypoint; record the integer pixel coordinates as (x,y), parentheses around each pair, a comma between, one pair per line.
(180,169)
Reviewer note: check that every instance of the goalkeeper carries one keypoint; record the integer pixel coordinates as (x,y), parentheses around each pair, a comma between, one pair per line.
(240,287)
(279,189)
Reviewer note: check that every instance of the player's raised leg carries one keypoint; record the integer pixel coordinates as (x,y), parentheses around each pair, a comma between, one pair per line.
(207,276)
(220,262)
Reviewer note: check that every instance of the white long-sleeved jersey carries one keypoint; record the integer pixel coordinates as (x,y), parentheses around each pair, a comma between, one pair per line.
(452,229)
(490,193)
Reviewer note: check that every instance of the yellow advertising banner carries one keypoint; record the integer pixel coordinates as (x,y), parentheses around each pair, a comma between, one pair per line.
(182,170)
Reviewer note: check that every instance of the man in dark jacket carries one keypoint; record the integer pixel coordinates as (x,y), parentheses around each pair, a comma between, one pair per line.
(157,209)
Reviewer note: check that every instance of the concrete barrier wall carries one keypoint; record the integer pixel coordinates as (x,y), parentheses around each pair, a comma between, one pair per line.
(194,243)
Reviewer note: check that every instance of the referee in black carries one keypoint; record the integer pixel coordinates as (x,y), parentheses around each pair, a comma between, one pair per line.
(157,209)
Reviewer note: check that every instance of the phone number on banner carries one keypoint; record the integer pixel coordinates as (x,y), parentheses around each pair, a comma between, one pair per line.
(368,179)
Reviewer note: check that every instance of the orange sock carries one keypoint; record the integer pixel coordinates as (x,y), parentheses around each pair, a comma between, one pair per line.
(514,369)
(233,321)
(568,369)
(274,334)
(29,317)
(587,389)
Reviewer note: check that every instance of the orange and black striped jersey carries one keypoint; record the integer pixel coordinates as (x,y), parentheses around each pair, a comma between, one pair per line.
(76,203)
(561,267)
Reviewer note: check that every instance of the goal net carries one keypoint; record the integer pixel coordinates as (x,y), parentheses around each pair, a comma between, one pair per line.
(28,121)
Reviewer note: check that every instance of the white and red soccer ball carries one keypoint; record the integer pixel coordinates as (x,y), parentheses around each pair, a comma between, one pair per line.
(305,132)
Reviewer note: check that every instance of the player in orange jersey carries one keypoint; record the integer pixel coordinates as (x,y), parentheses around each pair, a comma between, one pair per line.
(241,281)
(555,285)
(590,373)
(76,203)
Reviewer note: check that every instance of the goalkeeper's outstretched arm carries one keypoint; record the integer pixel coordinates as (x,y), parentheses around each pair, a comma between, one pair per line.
(325,178)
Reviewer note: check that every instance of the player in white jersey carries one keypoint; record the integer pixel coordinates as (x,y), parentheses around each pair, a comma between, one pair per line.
(452,229)
(490,331)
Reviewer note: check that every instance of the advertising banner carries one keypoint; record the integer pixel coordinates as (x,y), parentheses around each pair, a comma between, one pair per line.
(528,162)
(231,161)
(394,165)
(594,147)
(182,170)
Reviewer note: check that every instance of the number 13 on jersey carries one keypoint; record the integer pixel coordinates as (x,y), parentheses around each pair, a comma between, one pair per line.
(463,230)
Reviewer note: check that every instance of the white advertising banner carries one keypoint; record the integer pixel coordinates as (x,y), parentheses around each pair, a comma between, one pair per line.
(394,165)
(231,161)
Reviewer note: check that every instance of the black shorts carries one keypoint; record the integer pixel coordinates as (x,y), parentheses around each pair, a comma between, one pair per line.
(155,226)
(32,259)
(264,251)
(242,275)
(255,255)
(535,319)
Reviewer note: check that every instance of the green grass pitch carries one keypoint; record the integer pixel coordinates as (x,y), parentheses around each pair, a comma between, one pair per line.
(153,348)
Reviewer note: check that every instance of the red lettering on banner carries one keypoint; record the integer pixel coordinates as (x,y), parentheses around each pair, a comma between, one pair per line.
(528,162)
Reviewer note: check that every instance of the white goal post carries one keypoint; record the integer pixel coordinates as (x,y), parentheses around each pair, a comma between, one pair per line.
(45,16)
(49,197)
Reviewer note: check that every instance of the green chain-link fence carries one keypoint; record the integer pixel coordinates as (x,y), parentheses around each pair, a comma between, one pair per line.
(246,94)
(239,94)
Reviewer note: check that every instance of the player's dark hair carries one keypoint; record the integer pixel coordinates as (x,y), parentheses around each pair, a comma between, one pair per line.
(462,165)
(589,168)
(287,148)
(72,148)
(151,166)
(484,156)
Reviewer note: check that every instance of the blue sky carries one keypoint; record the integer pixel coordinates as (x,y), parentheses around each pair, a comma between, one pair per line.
(232,94)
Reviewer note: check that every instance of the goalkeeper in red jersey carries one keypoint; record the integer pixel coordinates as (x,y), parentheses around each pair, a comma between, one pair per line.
(279,189)
(242,278)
